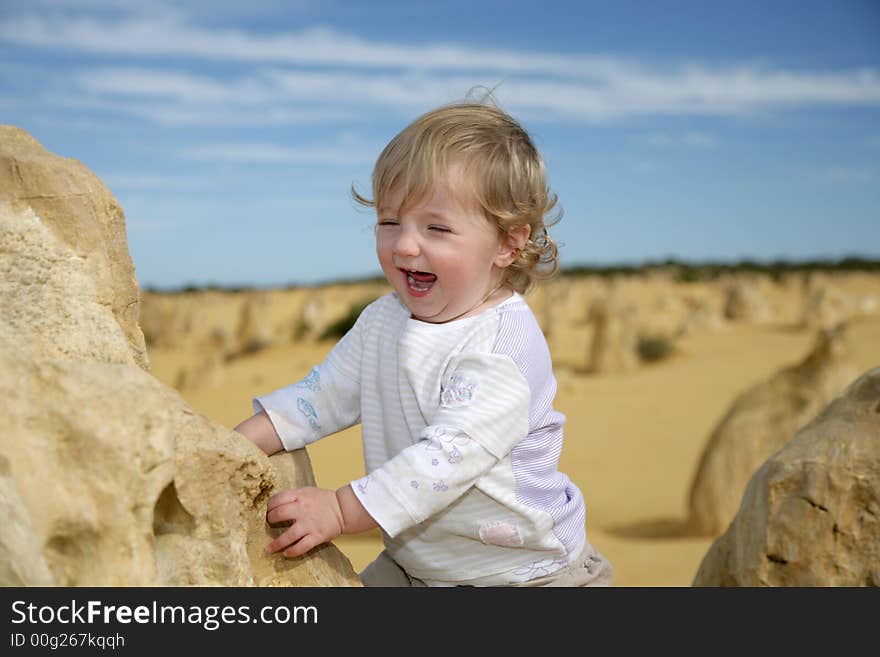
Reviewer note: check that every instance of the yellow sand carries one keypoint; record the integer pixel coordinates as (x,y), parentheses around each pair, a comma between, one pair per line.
(631,440)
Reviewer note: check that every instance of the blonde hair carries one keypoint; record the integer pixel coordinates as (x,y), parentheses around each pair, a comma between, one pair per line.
(497,155)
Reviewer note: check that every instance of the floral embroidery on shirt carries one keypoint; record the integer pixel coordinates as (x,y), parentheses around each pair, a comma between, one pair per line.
(414,483)
(362,484)
(440,440)
(312,381)
(440,486)
(432,432)
(540,568)
(309,412)
(458,391)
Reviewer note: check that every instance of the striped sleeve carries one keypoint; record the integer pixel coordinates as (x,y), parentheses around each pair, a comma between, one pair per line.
(324,402)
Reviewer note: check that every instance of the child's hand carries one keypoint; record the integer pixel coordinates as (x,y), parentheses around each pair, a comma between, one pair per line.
(316,515)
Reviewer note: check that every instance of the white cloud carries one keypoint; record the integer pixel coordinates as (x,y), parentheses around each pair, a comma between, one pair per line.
(171,112)
(850,175)
(264,153)
(124,6)
(170,36)
(224,116)
(164,84)
(149,181)
(323,67)
(268,96)
(695,139)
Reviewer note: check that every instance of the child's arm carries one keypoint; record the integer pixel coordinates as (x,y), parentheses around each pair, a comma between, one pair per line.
(261,432)
(326,401)
(319,515)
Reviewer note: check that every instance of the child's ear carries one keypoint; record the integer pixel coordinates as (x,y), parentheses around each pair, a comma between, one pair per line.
(512,244)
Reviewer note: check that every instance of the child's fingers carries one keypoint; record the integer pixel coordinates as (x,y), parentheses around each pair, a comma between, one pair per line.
(282,513)
(284,497)
(291,535)
(302,546)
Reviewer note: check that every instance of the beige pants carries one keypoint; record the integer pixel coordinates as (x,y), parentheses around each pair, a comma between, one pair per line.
(590,569)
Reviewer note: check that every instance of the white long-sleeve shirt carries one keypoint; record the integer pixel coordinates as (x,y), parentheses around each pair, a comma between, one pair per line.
(461,441)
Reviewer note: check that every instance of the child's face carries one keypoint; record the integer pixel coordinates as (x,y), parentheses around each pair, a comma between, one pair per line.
(442,256)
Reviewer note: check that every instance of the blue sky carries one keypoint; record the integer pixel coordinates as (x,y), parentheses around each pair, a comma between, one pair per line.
(231,132)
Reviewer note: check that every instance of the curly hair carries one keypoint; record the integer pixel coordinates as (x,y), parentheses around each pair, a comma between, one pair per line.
(497,155)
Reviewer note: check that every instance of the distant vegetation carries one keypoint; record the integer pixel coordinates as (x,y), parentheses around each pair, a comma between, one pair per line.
(218,287)
(689,272)
(342,325)
(685,272)
(654,347)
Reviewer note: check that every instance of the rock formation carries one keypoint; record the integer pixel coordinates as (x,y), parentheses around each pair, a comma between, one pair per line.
(810,515)
(824,306)
(745,301)
(185,319)
(243,321)
(758,423)
(614,344)
(253,333)
(701,315)
(107,477)
(75,207)
(326,306)
(663,316)
(545,300)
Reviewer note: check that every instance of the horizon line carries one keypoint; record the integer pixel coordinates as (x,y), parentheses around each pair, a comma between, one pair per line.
(687,270)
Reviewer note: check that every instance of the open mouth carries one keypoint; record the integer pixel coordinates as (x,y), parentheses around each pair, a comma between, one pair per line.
(419,283)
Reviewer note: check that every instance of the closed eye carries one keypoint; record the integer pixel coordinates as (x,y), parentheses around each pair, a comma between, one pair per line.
(439,229)
(387,222)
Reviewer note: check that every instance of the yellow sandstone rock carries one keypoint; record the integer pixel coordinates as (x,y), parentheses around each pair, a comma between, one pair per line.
(810,515)
(107,477)
(759,422)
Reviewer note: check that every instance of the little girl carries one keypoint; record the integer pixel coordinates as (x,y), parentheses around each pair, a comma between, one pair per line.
(449,375)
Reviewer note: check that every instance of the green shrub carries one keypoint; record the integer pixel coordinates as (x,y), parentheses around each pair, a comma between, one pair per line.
(342,325)
(655,347)
(300,330)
